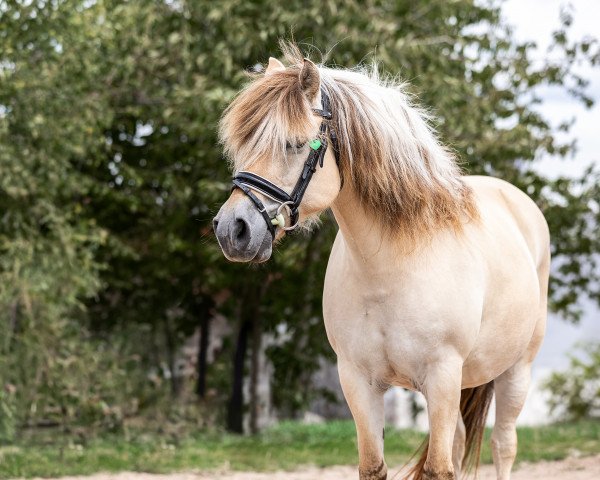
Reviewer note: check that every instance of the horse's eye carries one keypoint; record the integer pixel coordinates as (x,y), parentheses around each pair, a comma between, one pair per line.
(297,146)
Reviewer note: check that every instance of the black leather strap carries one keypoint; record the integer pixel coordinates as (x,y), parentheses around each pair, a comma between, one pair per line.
(326,114)
(264,186)
(315,158)
(259,205)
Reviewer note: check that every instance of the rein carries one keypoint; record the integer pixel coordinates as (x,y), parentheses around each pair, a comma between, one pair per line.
(249,182)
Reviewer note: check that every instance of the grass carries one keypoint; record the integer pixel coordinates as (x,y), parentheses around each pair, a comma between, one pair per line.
(286,446)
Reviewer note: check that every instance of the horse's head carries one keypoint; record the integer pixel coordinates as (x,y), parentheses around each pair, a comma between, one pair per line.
(276,134)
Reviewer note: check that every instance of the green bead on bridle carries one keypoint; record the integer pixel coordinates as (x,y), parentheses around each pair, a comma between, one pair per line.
(315,144)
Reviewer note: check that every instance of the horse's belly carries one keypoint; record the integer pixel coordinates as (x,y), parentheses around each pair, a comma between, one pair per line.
(494,354)
(507,325)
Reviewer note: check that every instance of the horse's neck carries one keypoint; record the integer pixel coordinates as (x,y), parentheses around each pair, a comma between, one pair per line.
(363,236)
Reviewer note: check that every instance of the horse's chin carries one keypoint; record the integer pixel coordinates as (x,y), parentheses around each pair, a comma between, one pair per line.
(262,254)
(265,250)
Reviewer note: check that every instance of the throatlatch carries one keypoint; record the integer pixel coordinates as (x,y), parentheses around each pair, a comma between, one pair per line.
(248,181)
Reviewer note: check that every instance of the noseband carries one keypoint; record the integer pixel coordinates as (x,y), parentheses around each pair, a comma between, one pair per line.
(248,181)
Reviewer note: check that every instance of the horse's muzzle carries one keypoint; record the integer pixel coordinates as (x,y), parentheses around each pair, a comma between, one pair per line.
(242,233)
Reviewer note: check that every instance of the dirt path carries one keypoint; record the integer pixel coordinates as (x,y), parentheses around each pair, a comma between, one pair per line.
(587,468)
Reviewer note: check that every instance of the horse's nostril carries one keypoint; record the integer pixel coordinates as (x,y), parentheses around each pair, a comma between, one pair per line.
(215,225)
(241,229)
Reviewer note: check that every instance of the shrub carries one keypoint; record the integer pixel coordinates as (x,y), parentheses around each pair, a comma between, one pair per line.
(575,393)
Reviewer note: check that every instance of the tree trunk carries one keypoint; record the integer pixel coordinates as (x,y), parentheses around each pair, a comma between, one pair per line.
(249,311)
(235,408)
(255,374)
(171,345)
(13,326)
(205,318)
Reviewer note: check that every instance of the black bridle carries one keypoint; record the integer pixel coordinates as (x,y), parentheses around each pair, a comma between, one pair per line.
(248,181)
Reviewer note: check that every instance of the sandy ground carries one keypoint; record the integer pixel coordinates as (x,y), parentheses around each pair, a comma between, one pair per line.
(587,468)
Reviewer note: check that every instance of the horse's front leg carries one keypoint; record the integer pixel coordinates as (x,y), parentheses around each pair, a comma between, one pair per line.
(365,399)
(442,392)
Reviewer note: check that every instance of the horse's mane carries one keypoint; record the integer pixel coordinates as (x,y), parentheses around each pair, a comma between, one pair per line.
(388,150)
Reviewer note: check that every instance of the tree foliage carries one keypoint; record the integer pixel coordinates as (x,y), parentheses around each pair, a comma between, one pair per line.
(111,173)
(575,393)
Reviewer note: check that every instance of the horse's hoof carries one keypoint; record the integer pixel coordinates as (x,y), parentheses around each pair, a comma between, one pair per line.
(431,475)
(377,473)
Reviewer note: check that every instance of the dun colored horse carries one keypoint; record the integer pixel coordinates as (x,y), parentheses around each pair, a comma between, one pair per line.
(436,282)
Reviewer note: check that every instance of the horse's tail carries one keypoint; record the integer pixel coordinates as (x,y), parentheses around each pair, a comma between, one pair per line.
(474,407)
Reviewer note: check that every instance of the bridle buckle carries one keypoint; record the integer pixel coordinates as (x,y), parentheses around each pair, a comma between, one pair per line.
(279,217)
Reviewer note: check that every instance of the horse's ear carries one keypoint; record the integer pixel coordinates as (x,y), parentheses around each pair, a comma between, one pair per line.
(274,66)
(309,79)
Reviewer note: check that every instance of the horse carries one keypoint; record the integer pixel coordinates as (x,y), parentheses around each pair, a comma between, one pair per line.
(436,282)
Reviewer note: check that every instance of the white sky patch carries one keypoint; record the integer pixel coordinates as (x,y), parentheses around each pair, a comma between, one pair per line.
(536,20)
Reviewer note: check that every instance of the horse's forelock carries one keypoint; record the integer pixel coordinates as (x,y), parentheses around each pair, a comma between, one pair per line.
(269,112)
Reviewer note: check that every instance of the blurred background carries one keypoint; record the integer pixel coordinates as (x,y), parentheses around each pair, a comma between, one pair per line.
(121,324)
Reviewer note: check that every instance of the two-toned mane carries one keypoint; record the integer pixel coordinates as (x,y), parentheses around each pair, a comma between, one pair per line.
(436,282)
(388,148)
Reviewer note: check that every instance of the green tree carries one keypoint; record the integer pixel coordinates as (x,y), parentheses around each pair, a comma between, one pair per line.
(111,173)
(48,261)
(575,393)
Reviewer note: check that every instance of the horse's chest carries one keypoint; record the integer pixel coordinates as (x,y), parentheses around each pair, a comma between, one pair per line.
(393,322)
(373,331)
